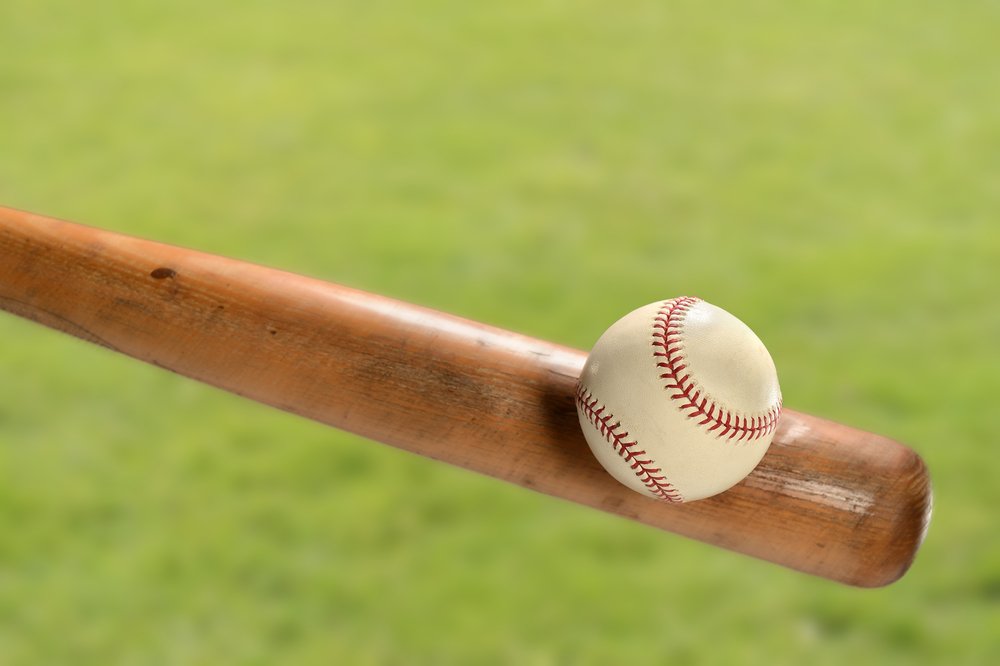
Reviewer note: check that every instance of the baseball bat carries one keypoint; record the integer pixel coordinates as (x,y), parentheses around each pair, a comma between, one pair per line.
(827,499)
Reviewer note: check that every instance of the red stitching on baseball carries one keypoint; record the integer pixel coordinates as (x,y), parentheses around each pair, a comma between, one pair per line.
(667,327)
(650,476)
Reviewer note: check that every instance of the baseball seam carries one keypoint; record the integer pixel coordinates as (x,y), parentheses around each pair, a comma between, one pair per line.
(610,429)
(668,352)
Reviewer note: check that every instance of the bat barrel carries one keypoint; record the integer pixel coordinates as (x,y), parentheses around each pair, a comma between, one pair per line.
(827,499)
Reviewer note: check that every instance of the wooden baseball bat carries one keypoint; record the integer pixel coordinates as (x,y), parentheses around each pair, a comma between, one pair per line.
(827,499)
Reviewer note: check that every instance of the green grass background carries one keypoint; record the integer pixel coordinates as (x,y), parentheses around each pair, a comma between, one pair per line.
(829,171)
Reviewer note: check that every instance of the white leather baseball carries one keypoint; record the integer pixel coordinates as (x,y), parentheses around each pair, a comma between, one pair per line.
(679,400)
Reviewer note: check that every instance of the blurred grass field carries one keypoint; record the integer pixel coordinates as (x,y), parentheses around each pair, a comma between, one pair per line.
(830,172)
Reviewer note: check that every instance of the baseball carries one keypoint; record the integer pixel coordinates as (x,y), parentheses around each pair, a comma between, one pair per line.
(679,400)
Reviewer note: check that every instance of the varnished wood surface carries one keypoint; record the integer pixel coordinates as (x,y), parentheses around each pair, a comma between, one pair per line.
(827,499)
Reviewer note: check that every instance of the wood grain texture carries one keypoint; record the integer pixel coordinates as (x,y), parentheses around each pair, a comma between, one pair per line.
(827,499)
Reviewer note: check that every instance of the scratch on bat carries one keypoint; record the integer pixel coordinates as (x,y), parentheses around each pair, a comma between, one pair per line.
(839,497)
(40,315)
